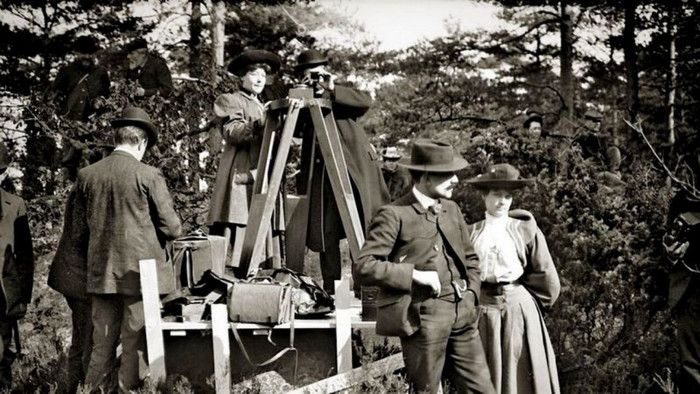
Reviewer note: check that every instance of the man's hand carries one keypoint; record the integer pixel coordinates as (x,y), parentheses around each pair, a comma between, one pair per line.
(140,92)
(428,278)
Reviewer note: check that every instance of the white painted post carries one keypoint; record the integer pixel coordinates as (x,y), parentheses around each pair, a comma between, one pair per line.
(222,350)
(151,314)
(343,328)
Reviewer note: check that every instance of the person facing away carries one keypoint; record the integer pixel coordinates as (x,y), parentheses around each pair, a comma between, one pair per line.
(149,69)
(124,213)
(325,229)
(518,278)
(241,118)
(417,252)
(17,267)
(79,86)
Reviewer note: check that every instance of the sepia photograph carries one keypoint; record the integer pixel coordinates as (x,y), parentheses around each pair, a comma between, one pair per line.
(356,196)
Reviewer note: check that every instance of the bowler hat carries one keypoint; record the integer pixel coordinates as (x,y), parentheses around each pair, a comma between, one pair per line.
(86,45)
(139,43)
(253,56)
(134,116)
(500,176)
(532,117)
(4,156)
(310,58)
(433,156)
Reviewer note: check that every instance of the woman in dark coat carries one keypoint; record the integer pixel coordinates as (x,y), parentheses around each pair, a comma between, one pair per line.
(518,278)
(241,117)
(325,228)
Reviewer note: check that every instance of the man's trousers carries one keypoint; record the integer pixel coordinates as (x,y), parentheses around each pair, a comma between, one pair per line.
(116,316)
(687,314)
(81,342)
(448,338)
(7,356)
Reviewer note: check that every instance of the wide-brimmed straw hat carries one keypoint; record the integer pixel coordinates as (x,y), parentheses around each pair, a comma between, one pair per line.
(310,58)
(134,116)
(254,56)
(433,156)
(500,176)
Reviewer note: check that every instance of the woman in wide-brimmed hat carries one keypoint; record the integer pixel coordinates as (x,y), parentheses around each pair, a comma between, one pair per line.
(241,116)
(518,280)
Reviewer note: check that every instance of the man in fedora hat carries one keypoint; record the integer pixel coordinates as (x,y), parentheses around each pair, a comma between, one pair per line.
(397,179)
(418,254)
(533,124)
(80,85)
(149,69)
(119,212)
(17,267)
(325,228)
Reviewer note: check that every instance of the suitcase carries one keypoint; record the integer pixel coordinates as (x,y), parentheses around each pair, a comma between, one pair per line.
(260,300)
(196,253)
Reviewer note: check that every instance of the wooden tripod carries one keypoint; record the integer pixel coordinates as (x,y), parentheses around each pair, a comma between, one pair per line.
(271,166)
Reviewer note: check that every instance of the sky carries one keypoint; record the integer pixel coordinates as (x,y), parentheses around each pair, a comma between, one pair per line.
(397,24)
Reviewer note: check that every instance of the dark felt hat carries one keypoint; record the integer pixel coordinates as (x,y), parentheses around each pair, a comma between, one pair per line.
(433,156)
(310,58)
(139,43)
(593,115)
(86,45)
(500,176)
(133,116)
(253,56)
(533,117)
(4,157)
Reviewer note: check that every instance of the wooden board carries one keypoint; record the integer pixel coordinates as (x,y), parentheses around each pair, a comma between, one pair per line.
(152,320)
(222,349)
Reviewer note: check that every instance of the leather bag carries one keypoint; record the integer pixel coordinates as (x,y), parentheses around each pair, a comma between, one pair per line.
(196,253)
(260,300)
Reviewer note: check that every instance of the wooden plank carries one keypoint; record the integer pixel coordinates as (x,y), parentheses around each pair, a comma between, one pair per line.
(152,320)
(343,328)
(222,350)
(354,377)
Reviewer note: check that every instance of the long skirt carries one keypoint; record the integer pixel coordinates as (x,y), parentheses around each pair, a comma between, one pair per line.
(518,350)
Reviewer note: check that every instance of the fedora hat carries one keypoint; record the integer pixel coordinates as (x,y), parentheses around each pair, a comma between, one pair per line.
(433,156)
(500,176)
(139,43)
(391,153)
(254,56)
(134,116)
(86,45)
(310,58)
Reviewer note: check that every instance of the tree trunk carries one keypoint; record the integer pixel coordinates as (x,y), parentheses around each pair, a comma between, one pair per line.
(566,60)
(671,80)
(195,42)
(217,38)
(630,51)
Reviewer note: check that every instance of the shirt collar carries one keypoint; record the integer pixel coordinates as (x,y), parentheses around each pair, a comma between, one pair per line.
(118,149)
(424,200)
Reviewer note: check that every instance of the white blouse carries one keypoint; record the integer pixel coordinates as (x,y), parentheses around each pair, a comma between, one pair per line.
(498,257)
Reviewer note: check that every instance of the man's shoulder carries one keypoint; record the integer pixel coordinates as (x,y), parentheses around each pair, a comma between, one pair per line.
(11,199)
(122,161)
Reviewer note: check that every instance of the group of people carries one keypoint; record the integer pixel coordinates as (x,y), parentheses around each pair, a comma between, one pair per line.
(467,300)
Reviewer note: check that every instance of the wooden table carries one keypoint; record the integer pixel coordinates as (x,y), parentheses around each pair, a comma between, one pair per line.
(345,318)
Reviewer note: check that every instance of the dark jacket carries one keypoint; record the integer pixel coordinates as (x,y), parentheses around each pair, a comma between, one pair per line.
(154,76)
(398,181)
(77,88)
(363,165)
(679,277)
(129,216)
(401,239)
(18,260)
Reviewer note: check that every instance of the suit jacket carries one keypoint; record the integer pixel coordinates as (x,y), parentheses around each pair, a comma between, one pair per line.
(540,275)
(128,214)
(363,165)
(399,240)
(679,277)
(78,87)
(17,262)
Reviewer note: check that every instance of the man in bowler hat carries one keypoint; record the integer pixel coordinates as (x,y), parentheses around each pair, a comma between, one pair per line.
(397,179)
(149,69)
(119,212)
(17,267)
(419,255)
(80,85)
(325,228)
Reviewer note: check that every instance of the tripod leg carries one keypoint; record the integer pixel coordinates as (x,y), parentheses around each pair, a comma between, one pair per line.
(336,167)
(263,202)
